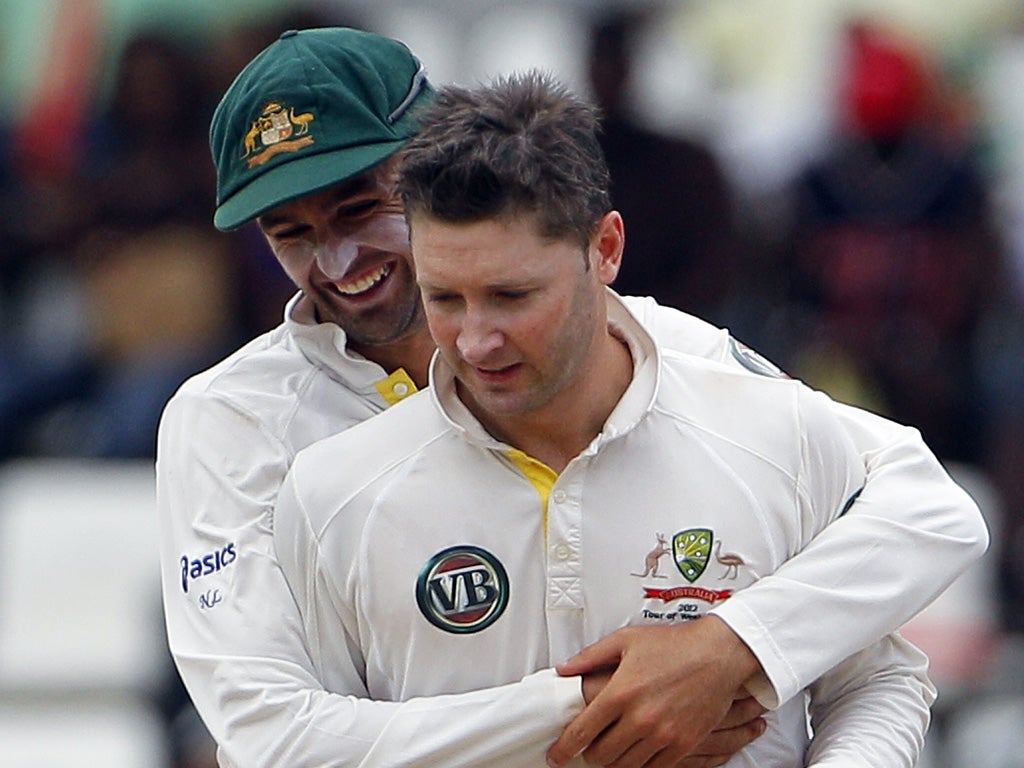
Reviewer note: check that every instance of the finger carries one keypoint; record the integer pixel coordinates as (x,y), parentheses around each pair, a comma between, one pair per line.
(667,758)
(639,754)
(742,711)
(611,747)
(605,652)
(594,683)
(579,734)
(728,741)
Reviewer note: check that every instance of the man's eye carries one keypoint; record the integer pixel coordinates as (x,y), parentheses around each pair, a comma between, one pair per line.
(358,209)
(441,299)
(289,234)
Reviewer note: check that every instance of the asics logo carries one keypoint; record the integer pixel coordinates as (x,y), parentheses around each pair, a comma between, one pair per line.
(204,565)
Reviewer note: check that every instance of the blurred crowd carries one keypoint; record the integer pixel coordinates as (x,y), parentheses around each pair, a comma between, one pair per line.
(888,275)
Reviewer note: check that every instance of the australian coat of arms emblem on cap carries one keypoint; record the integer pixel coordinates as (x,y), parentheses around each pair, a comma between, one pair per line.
(277,129)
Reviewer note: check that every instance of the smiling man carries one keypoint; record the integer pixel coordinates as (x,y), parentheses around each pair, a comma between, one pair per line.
(347,250)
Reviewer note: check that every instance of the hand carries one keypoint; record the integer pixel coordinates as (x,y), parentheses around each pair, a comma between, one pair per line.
(742,725)
(671,686)
(594,682)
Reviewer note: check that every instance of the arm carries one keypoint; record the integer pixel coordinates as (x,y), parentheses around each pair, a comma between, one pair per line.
(673,682)
(909,517)
(234,632)
(872,709)
(237,637)
(506,726)
(909,534)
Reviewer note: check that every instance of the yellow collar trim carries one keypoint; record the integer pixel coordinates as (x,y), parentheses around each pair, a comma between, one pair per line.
(541,477)
(398,386)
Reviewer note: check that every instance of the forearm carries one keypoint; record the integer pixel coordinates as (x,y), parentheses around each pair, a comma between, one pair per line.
(908,486)
(270,714)
(869,571)
(246,664)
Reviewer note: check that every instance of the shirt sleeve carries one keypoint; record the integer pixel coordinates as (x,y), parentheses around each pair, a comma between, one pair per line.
(907,536)
(509,726)
(237,636)
(872,709)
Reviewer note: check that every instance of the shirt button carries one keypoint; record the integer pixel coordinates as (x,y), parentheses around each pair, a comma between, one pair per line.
(401,389)
(558,496)
(562,552)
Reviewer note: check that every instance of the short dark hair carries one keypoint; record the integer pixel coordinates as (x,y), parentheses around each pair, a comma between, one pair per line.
(524,144)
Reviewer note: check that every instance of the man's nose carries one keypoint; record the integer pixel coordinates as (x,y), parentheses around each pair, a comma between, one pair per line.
(335,256)
(477,339)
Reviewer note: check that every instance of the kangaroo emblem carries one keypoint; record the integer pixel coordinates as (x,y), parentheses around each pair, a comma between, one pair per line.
(652,558)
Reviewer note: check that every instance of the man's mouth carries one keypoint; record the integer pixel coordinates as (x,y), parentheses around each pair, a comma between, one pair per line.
(495,375)
(365,282)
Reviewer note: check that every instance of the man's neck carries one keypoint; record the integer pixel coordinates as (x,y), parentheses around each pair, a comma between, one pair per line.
(560,431)
(412,353)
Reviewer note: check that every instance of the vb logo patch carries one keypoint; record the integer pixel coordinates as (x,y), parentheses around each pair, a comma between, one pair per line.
(462,589)
(691,550)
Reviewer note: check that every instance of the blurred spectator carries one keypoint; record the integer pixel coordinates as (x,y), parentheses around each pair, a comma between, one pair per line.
(152,308)
(159,307)
(140,162)
(146,155)
(681,236)
(894,258)
(1004,337)
(42,217)
(118,235)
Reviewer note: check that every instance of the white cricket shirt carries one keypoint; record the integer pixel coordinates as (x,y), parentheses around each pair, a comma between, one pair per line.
(230,434)
(427,558)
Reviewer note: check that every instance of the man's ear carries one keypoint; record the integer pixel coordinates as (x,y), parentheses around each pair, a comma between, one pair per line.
(607,244)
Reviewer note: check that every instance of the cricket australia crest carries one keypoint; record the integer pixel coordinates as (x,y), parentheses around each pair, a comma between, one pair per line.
(277,129)
(691,550)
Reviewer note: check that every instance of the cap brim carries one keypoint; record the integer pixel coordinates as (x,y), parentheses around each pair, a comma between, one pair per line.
(297,177)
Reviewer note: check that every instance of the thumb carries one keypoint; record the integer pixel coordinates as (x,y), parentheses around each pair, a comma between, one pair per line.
(606,652)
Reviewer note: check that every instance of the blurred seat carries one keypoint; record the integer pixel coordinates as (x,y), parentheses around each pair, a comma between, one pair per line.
(987,733)
(79,578)
(80,734)
(514,37)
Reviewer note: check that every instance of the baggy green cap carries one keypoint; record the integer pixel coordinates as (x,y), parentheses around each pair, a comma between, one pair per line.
(314,108)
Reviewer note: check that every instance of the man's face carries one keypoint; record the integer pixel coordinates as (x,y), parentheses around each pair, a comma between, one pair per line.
(347,248)
(515,316)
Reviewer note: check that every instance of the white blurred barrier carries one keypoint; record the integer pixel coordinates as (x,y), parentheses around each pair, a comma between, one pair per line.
(82,645)
(83,734)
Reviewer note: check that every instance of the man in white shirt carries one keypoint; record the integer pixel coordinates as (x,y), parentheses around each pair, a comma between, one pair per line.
(304,142)
(512,498)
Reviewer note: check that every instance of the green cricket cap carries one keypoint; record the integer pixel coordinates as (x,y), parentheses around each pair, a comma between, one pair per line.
(314,108)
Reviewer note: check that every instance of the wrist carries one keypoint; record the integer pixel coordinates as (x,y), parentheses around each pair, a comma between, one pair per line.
(740,659)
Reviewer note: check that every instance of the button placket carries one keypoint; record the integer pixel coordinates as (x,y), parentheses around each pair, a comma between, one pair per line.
(565,568)
(564,563)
